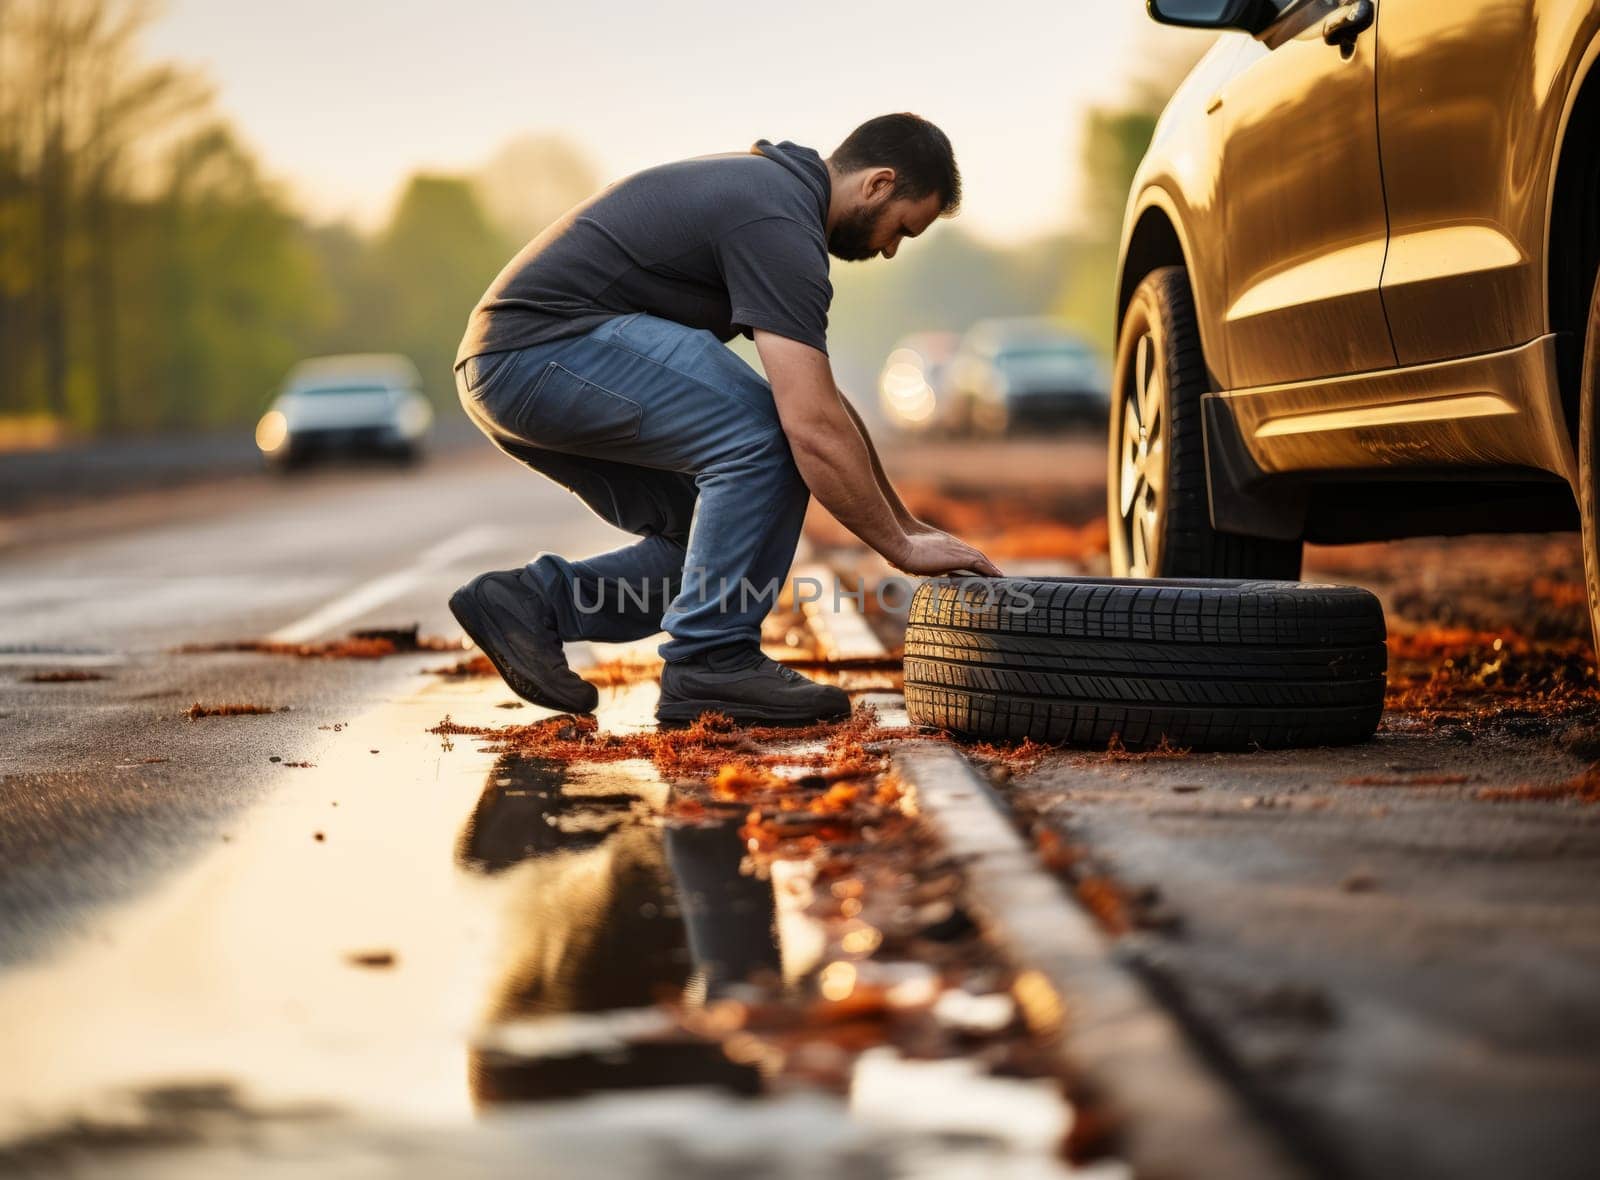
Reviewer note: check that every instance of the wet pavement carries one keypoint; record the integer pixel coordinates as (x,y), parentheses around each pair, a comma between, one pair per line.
(419,949)
(321,938)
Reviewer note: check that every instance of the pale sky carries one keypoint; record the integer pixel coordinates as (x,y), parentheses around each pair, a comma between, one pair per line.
(345,98)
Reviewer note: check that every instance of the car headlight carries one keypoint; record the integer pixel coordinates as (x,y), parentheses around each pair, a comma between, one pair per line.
(272,432)
(413,417)
(905,392)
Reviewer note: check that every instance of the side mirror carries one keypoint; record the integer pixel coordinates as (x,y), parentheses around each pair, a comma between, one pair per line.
(1252,16)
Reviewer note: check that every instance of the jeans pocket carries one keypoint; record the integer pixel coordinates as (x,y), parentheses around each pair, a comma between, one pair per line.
(563,410)
(478,371)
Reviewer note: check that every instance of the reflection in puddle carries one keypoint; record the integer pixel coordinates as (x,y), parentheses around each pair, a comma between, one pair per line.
(611,917)
(545,907)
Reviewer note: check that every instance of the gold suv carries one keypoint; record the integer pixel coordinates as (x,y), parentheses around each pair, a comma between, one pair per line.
(1357,296)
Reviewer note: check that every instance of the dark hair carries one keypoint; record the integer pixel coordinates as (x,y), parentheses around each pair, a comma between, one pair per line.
(919,153)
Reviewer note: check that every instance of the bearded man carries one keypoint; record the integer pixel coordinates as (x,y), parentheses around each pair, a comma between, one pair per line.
(597,358)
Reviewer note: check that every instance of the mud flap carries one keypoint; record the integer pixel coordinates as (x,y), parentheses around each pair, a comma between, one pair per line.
(1243,499)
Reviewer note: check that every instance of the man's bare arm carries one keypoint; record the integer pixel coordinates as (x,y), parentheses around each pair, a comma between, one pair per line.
(839,467)
(908,522)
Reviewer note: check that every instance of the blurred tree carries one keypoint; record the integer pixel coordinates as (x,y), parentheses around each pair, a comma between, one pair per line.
(222,291)
(432,263)
(16,213)
(1114,144)
(125,102)
(531,181)
(149,276)
(1114,141)
(358,302)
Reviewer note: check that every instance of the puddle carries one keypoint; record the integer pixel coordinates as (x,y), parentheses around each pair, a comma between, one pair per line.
(465,952)
(369,644)
(620,920)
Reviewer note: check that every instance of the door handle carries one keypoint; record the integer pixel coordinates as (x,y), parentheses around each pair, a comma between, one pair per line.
(1344,25)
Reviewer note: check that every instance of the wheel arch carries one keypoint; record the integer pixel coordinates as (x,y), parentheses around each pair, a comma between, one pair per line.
(1572,245)
(1154,243)
(1157,239)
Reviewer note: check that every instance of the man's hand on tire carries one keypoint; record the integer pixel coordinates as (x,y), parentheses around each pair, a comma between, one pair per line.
(931,552)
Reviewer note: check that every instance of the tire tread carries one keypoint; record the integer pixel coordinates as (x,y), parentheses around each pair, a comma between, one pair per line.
(1206,665)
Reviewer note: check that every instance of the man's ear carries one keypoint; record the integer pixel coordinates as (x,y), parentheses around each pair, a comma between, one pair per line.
(879,184)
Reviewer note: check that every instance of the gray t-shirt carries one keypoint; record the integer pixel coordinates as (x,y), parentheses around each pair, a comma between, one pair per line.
(727,243)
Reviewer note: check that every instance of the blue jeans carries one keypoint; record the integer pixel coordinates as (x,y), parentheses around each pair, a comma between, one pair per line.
(665,433)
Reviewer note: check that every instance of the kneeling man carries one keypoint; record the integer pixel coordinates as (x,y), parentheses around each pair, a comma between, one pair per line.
(597,358)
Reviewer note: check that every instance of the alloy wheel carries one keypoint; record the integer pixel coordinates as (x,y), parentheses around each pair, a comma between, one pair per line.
(1142,474)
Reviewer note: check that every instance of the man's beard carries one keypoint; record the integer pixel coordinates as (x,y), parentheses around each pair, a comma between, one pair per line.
(851,240)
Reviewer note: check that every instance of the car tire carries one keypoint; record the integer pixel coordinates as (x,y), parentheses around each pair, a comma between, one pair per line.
(1588,493)
(1158,503)
(1199,664)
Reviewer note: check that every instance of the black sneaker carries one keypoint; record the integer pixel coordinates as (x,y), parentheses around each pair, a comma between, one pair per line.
(747,686)
(513,624)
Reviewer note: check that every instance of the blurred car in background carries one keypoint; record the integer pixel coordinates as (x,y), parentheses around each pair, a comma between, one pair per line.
(1010,374)
(367,404)
(911,386)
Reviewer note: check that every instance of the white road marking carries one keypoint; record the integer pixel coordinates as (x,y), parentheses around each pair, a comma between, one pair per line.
(45,658)
(379,591)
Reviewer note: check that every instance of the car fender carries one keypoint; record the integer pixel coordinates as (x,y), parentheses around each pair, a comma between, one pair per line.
(1157,197)
(1587,62)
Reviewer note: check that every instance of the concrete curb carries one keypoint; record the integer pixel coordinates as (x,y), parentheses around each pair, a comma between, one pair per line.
(1175,1117)
(842,631)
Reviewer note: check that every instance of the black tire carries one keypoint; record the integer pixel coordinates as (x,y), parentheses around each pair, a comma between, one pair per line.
(1185,545)
(1588,493)
(1202,664)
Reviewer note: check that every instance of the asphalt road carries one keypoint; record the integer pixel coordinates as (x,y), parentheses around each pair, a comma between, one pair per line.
(1403,977)
(112,589)
(315,938)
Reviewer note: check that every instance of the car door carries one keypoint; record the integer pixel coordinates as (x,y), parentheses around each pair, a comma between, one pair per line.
(1457,82)
(1301,193)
